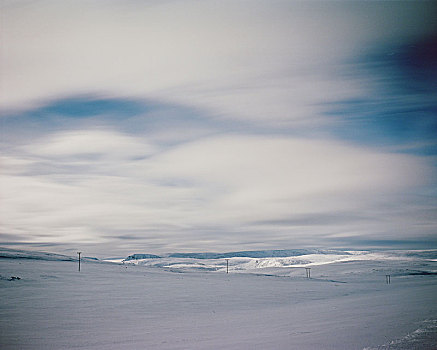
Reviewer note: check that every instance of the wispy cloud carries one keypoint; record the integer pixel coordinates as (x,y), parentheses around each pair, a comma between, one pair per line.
(277,59)
(223,182)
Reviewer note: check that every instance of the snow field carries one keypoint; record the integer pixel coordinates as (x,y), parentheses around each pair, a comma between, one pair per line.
(346,305)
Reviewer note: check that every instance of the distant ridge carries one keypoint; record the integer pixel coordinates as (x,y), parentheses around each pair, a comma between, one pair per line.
(35,255)
(280,253)
(294,255)
(7,253)
(142,256)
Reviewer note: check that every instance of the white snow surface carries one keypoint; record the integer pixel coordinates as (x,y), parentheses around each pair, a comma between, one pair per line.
(188,303)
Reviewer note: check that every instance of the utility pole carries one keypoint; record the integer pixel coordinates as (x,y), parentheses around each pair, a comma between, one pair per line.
(79,259)
(227,265)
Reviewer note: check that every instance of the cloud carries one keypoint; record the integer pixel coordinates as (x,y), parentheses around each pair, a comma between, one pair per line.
(82,143)
(207,189)
(267,62)
(198,124)
(308,165)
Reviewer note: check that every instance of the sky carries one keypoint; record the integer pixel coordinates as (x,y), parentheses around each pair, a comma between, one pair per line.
(161,126)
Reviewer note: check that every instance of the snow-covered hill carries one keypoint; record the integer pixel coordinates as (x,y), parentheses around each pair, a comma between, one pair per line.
(37,255)
(273,261)
(255,254)
(258,261)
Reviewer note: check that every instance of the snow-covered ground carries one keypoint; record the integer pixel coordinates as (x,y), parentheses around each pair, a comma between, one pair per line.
(189,302)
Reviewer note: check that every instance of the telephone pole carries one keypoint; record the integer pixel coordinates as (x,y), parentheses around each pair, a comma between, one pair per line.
(79,259)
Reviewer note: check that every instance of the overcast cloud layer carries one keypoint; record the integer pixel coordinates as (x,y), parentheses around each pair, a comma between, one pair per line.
(157,126)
